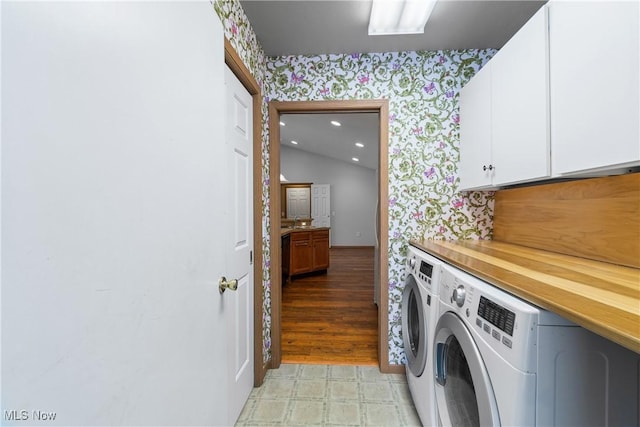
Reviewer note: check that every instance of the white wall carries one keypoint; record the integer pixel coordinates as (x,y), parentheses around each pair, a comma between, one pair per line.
(353,193)
(109,294)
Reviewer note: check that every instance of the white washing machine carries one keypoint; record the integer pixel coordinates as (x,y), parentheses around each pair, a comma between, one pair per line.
(499,360)
(419,317)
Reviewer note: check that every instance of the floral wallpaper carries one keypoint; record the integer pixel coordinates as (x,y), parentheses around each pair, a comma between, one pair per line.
(238,31)
(423,92)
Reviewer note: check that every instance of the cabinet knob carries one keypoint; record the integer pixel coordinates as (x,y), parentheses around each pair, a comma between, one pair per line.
(490,167)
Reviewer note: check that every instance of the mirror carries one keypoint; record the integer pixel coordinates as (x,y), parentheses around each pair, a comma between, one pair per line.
(296,201)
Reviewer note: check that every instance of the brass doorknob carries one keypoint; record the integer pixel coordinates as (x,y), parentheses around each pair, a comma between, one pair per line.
(224,285)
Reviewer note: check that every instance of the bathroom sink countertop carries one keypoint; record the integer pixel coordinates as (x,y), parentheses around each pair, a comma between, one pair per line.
(599,296)
(288,230)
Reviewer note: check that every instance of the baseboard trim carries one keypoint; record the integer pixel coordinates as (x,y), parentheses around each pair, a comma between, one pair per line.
(352,247)
(394,369)
(384,368)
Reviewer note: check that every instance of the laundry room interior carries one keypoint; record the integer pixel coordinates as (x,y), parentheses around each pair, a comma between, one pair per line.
(358,212)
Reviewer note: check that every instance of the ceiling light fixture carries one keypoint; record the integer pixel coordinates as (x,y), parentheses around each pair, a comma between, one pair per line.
(359,144)
(355,159)
(335,123)
(294,142)
(390,17)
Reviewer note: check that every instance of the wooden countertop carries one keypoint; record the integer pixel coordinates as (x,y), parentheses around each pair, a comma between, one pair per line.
(286,231)
(601,297)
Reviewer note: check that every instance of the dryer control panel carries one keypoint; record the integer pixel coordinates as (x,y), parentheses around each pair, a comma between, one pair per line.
(497,315)
(424,268)
(504,322)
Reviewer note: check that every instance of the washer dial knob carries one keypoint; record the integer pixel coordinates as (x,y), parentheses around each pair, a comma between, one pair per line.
(458,295)
(412,263)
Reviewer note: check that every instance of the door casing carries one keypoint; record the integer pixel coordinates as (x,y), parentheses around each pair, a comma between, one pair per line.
(276,108)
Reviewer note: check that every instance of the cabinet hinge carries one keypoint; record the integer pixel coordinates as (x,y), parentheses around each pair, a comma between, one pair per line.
(250,257)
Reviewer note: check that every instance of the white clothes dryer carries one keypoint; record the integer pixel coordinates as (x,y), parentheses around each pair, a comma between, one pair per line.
(419,317)
(501,361)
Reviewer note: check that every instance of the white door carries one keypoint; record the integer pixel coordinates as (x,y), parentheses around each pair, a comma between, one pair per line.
(321,205)
(238,304)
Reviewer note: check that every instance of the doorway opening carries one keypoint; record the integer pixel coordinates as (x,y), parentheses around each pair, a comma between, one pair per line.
(331,318)
(276,108)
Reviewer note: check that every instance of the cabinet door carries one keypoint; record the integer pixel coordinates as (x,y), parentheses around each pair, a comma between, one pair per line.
(520,105)
(286,255)
(301,253)
(594,50)
(475,131)
(321,250)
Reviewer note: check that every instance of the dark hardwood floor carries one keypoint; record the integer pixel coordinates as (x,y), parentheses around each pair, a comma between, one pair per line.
(331,318)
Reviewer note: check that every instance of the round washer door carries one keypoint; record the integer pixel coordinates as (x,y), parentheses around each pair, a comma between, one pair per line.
(464,395)
(414,328)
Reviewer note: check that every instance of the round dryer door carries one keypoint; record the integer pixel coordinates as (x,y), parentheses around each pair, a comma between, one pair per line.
(414,329)
(464,396)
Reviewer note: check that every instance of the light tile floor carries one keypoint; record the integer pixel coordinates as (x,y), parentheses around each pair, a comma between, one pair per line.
(330,395)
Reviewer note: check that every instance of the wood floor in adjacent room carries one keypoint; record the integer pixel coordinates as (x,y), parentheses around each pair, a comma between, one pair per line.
(331,318)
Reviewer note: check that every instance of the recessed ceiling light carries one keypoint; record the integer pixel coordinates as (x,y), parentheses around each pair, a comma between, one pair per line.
(282,124)
(294,142)
(359,144)
(335,123)
(355,159)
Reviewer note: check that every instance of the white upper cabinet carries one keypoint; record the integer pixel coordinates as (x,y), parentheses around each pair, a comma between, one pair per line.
(595,113)
(520,105)
(504,113)
(475,131)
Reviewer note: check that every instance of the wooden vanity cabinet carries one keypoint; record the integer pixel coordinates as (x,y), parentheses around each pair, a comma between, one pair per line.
(301,253)
(320,242)
(304,252)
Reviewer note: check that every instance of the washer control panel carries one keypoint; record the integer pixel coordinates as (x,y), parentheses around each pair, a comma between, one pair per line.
(500,317)
(491,318)
(459,295)
(504,322)
(412,263)
(422,269)
(498,321)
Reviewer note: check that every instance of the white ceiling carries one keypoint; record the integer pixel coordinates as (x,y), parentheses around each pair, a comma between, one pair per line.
(315,134)
(308,27)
